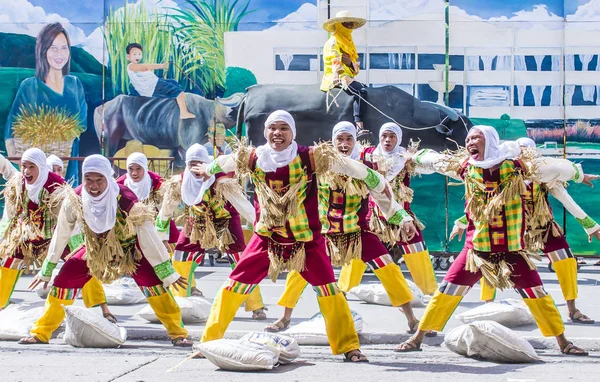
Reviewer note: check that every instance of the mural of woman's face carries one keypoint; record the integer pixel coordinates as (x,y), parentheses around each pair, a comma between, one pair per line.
(58,53)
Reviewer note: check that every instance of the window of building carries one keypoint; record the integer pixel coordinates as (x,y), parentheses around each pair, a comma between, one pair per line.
(296,62)
(392,61)
(427,60)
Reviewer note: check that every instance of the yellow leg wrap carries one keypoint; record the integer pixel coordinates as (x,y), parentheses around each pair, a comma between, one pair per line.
(351,275)
(488,292)
(338,323)
(566,272)
(546,315)
(53,316)
(223,311)
(185,269)
(93,293)
(254,301)
(395,284)
(294,286)
(169,314)
(8,281)
(420,268)
(438,311)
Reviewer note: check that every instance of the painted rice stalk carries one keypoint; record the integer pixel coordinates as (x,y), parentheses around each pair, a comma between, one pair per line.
(134,23)
(579,132)
(51,129)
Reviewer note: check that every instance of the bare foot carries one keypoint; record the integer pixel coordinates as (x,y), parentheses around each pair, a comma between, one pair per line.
(186,116)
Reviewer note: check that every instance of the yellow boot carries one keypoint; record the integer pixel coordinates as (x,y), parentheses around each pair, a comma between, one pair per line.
(394,283)
(92,293)
(225,305)
(185,269)
(8,281)
(566,272)
(254,301)
(166,310)
(338,319)
(438,311)
(54,313)
(546,315)
(294,286)
(488,292)
(351,275)
(420,268)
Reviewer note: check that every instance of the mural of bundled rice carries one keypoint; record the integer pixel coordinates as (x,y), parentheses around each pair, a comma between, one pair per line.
(51,129)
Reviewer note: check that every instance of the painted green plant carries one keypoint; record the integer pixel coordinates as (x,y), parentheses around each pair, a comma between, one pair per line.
(199,27)
(133,23)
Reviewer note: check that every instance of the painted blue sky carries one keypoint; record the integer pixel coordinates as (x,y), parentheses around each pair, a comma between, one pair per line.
(86,14)
(496,8)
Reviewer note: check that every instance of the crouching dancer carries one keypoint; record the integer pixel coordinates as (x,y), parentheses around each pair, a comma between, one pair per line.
(119,239)
(287,232)
(495,247)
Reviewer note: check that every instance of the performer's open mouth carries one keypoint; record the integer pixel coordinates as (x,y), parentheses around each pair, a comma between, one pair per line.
(474,152)
(29,178)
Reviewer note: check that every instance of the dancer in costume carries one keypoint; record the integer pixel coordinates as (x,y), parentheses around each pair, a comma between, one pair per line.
(31,209)
(146,185)
(494,186)
(287,233)
(544,234)
(340,61)
(388,159)
(55,165)
(120,239)
(212,211)
(343,208)
(93,292)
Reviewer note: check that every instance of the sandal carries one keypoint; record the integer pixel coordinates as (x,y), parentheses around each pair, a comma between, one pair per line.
(33,340)
(259,314)
(412,329)
(196,292)
(182,342)
(570,349)
(278,326)
(408,346)
(355,356)
(580,318)
(110,318)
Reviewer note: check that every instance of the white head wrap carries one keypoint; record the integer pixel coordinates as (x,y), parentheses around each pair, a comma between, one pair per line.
(348,128)
(192,188)
(100,212)
(527,142)
(494,152)
(142,188)
(38,158)
(270,160)
(53,160)
(394,158)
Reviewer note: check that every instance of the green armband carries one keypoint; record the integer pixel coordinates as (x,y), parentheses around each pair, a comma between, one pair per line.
(162,226)
(587,222)
(463,219)
(76,241)
(372,180)
(164,270)
(47,268)
(420,155)
(214,168)
(398,217)
(577,177)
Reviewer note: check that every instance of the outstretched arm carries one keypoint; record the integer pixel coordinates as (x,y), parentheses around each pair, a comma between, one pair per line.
(146,67)
(589,225)
(6,168)
(430,161)
(556,170)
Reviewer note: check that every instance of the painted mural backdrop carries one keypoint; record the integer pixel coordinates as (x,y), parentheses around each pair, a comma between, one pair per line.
(527,67)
